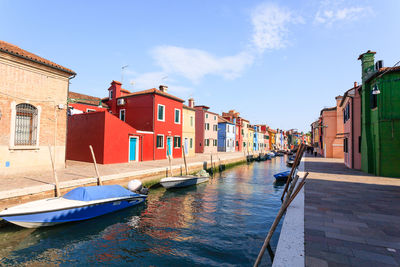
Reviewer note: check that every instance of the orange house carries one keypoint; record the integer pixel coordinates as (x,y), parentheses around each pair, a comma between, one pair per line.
(332,131)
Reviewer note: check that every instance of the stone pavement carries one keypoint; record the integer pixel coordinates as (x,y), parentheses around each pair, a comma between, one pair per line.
(80,173)
(351,218)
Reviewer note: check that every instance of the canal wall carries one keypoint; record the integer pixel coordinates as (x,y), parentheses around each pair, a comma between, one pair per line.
(148,176)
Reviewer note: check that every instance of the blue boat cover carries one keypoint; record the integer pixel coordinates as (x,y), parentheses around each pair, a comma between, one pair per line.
(89,193)
(282,174)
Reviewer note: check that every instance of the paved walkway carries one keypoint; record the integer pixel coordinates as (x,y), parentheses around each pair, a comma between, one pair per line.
(351,218)
(77,173)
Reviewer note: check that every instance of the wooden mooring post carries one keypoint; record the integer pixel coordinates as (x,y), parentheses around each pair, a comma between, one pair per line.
(99,181)
(54,173)
(184,159)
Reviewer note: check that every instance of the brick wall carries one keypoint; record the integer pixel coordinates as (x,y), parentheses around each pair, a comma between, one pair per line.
(22,81)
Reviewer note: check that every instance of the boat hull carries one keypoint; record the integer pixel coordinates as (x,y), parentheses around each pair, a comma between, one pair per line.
(172,182)
(50,218)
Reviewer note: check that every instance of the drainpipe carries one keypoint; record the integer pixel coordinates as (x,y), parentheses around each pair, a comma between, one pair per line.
(66,124)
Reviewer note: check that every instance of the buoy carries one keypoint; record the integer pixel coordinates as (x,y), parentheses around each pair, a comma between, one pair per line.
(135,185)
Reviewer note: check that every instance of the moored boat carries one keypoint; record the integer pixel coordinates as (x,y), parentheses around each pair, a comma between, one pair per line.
(81,203)
(182,181)
(282,176)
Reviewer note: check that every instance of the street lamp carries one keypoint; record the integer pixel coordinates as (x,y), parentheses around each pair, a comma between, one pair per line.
(375,90)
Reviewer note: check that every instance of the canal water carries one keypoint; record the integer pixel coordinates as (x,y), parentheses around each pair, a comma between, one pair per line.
(220,223)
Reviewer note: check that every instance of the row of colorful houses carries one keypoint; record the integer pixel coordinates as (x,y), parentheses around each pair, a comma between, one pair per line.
(38,112)
(363,127)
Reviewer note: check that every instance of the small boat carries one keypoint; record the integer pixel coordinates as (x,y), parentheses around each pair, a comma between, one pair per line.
(271,154)
(282,176)
(279,154)
(79,204)
(183,181)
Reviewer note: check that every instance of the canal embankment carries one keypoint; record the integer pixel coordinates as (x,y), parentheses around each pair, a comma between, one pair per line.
(350,217)
(29,186)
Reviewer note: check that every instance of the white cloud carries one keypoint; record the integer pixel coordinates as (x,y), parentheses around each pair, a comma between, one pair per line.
(270,26)
(194,64)
(332,14)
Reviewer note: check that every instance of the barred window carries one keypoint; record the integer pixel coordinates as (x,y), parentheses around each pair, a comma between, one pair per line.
(26,123)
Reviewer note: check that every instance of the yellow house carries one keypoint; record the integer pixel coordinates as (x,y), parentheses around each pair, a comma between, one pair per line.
(251,139)
(188,130)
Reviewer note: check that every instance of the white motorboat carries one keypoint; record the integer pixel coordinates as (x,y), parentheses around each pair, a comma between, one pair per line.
(182,181)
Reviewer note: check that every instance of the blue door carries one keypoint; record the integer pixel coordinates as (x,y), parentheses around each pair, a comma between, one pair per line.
(169,146)
(132,148)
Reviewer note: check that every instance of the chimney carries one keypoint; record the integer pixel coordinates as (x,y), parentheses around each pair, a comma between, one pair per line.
(191,102)
(163,88)
(338,100)
(355,84)
(367,64)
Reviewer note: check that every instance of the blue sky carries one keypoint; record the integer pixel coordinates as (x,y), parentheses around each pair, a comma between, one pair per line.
(276,62)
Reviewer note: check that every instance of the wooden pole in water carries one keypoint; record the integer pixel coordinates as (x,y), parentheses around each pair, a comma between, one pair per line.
(99,182)
(212,165)
(184,159)
(54,173)
(281,212)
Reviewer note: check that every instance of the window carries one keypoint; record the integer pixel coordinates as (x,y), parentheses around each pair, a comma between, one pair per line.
(177,141)
(207,126)
(122,114)
(206,142)
(215,128)
(191,142)
(160,141)
(26,125)
(191,121)
(206,115)
(215,118)
(215,142)
(237,143)
(177,116)
(359,144)
(374,100)
(111,94)
(244,144)
(345,145)
(242,132)
(161,112)
(346,113)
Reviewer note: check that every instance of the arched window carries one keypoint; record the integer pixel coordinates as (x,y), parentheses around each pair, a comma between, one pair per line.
(26,125)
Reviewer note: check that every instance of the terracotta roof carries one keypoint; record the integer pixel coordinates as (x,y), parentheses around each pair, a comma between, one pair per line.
(382,71)
(19,52)
(187,107)
(85,99)
(347,93)
(327,109)
(153,91)
(223,120)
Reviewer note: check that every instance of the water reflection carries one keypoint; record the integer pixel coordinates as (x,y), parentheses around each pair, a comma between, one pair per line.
(221,222)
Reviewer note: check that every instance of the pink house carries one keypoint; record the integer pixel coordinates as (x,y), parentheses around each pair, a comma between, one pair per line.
(206,130)
(351,109)
(332,131)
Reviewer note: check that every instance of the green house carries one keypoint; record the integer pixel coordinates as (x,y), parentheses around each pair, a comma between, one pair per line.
(380,122)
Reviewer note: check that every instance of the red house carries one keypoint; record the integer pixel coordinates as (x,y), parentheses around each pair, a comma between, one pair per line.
(145,125)
(80,103)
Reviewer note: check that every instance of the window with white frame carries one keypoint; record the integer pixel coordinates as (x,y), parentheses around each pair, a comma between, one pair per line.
(206,115)
(160,112)
(191,142)
(177,141)
(160,141)
(177,116)
(26,125)
(206,142)
(215,118)
(122,114)
(207,126)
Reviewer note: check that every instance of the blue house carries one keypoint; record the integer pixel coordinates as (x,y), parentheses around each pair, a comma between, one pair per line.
(255,139)
(226,135)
